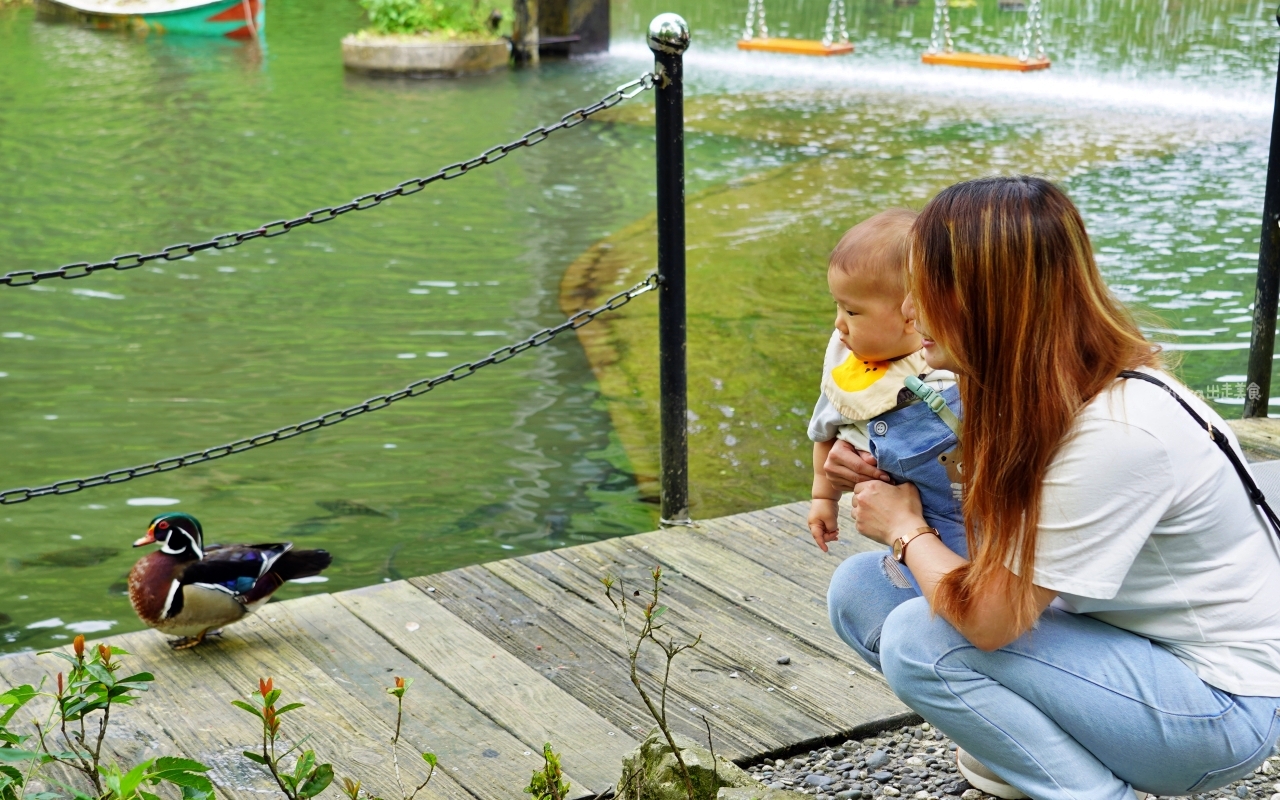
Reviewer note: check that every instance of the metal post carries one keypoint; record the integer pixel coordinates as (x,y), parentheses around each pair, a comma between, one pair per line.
(1262,345)
(668,39)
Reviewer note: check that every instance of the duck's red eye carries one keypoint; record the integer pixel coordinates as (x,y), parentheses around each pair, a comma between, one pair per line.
(163,526)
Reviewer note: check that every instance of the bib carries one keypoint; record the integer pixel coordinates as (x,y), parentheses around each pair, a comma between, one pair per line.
(860,389)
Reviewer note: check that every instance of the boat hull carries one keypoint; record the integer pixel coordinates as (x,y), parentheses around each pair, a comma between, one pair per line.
(230,19)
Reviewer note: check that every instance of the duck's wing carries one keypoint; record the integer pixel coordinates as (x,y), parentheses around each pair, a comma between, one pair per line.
(234,569)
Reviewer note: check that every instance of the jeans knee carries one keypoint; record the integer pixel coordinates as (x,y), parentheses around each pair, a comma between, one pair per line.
(849,596)
(909,648)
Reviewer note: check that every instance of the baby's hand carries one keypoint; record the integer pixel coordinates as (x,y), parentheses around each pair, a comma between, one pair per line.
(824,522)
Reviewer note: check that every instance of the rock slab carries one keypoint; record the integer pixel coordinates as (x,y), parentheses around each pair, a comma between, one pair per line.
(651,772)
(422,56)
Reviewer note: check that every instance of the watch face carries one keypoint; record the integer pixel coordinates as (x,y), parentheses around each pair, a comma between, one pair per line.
(898,548)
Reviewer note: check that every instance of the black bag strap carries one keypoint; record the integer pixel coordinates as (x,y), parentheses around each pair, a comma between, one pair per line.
(1220,439)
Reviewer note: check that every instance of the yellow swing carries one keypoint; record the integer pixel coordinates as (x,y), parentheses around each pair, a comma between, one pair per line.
(942,52)
(829,46)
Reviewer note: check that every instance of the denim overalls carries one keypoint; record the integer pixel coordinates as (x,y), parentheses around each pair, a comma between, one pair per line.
(908,443)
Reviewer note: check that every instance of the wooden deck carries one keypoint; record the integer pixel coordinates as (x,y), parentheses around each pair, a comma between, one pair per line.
(511,654)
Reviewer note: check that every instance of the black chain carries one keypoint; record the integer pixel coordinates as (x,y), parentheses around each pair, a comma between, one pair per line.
(12,496)
(362,203)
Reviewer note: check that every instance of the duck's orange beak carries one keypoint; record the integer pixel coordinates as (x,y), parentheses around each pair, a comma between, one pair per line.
(150,538)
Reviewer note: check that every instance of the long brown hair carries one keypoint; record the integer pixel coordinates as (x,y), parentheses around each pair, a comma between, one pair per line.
(1005,280)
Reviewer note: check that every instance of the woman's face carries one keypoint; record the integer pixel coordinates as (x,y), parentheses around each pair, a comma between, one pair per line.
(934,354)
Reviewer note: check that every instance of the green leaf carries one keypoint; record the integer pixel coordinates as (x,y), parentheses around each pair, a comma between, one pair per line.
(430,758)
(15,698)
(289,707)
(659,611)
(12,755)
(272,697)
(318,782)
(305,765)
(254,757)
(243,705)
(149,796)
(129,782)
(167,763)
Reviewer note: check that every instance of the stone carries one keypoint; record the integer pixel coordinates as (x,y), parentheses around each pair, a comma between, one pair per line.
(784,659)
(1242,791)
(971,794)
(922,795)
(652,769)
(757,793)
(849,794)
(883,777)
(423,55)
(889,791)
(915,761)
(877,759)
(818,780)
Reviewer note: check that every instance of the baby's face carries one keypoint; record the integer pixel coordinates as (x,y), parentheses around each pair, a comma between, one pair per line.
(870,322)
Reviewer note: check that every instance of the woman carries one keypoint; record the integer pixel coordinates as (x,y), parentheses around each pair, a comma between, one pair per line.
(1117,628)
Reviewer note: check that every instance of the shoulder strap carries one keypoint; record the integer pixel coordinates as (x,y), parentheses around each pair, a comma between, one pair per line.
(934,400)
(1220,439)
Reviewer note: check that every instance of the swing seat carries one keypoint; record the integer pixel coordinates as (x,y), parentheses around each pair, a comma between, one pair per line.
(984,61)
(798,47)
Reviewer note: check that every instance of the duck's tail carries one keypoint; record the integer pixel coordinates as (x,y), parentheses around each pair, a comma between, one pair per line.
(290,566)
(301,564)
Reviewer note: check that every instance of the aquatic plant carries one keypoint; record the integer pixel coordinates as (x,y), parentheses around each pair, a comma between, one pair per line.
(447,18)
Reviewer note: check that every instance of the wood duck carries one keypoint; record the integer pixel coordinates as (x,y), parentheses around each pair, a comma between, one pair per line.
(187,589)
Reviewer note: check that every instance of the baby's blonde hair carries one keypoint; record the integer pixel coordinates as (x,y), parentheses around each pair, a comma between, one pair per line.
(877,248)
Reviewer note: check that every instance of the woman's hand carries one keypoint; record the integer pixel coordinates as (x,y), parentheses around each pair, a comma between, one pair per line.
(883,512)
(846,467)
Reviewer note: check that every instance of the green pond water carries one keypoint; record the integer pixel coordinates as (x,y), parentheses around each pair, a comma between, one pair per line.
(1155,115)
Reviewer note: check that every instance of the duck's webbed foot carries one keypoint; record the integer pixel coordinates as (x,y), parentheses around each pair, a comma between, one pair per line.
(188,642)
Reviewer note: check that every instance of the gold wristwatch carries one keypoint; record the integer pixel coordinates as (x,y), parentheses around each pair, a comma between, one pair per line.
(900,544)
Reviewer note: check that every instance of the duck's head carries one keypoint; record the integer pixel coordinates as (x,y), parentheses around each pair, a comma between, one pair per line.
(178,534)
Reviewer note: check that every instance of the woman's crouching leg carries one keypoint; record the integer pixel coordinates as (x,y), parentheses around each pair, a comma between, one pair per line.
(1075,708)
(859,599)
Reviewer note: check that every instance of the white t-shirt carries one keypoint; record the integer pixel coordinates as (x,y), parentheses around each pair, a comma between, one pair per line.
(1145,525)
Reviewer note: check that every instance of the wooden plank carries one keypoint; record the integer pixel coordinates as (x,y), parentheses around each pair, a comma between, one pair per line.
(778,539)
(346,733)
(749,719)
(798,608)
(482,757)
(796,47)
(985,61)
(837,694)
(1259,436)
(514,695)
(590,670)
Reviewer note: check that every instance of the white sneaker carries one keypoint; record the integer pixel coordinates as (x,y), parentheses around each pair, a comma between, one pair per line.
(983,779)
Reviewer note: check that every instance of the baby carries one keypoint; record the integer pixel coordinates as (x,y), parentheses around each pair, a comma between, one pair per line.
(874,379)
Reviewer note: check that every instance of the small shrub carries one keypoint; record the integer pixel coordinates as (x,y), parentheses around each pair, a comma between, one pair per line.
(548,783)
(448,18)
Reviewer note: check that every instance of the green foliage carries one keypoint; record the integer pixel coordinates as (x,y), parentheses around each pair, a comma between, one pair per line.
(449,18)
(88,691)
(307,778)
(548,783)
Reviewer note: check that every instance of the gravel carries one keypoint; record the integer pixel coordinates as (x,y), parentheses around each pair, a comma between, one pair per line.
(918,762)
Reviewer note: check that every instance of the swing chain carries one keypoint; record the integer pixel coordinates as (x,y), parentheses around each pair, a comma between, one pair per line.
(1034,32)
(836,10)
(941,24)
(755,15)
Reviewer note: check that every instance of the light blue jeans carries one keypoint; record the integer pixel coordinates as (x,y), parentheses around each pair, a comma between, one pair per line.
(1075,708)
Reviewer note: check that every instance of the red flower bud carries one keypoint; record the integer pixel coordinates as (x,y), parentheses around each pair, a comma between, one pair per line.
(78,644)
(105,652)
(264,686)
(399,682)
(59,684)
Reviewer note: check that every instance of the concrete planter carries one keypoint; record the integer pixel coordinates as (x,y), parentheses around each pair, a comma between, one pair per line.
(422,56)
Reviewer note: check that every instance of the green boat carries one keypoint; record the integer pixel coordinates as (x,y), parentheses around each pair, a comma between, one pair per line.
(230,19)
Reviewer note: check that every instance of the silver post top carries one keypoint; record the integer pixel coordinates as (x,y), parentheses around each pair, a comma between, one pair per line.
(668,33)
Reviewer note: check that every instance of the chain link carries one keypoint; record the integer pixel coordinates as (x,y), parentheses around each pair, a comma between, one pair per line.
(836,13)
(362,203)
(542,337)
(1033,34)
(941,26)
(755,16)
